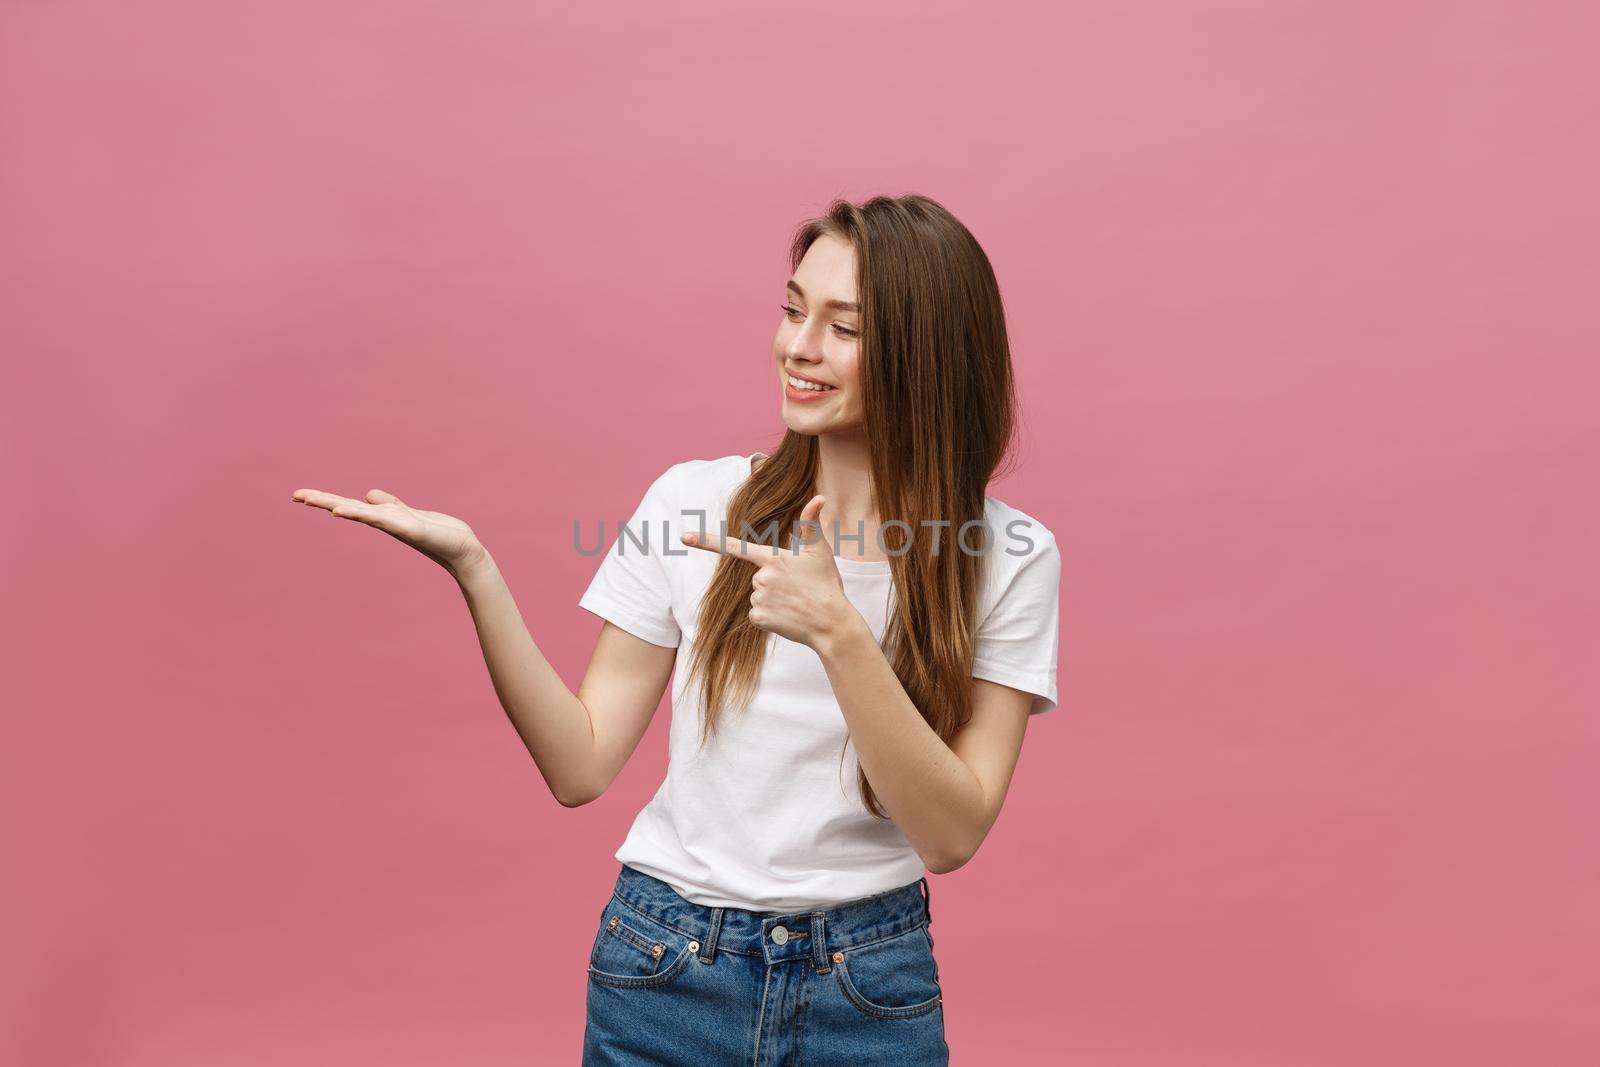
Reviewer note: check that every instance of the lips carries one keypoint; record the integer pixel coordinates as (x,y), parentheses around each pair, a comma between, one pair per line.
(798,395)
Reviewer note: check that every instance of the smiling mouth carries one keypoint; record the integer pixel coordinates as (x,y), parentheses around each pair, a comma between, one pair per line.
(808,387)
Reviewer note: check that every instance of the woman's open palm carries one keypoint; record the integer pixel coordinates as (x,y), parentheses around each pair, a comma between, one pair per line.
(443,538)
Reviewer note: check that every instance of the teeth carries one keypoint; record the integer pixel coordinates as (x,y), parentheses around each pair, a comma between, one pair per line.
(800,383)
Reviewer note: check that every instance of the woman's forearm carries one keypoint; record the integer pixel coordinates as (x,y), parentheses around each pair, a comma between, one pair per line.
(933,796)
(552,722)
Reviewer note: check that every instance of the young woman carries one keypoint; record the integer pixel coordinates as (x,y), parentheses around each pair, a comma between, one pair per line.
(853,590)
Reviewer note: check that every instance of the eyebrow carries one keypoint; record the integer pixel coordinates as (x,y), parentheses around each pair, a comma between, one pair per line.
(836,305)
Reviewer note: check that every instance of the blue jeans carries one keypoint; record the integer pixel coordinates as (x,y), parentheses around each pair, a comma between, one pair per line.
(673,982)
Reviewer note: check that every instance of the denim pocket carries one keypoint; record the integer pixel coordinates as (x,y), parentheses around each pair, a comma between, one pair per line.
(633,951)
(891,979)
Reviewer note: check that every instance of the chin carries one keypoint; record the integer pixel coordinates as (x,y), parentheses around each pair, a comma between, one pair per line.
(816,427)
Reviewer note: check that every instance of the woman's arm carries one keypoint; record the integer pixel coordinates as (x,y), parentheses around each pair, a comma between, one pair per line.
(944,797)
(578,741)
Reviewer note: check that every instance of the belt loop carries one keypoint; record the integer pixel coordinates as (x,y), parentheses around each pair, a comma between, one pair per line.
(819,949)
(927,899)
(709,949)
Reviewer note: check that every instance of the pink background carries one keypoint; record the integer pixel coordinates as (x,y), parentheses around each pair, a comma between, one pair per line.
(1302,298)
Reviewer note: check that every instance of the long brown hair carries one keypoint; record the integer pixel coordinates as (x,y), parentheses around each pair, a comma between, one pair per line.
(939,399)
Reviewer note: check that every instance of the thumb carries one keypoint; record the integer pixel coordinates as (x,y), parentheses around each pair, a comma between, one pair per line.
(811,536)
(378,496)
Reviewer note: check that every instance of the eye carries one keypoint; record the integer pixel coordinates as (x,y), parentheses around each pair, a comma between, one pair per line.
(844,331)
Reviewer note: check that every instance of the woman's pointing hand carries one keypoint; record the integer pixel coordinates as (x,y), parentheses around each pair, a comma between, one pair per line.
(795,593)
(444,539)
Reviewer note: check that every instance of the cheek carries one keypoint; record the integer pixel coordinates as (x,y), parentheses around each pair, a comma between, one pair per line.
(850,374)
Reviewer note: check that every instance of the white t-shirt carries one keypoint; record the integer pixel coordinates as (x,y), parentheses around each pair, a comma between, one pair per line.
(767,817)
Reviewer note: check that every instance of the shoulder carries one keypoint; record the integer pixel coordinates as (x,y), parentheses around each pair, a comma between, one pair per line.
(723,470)
(697,483)
(1017,534)
(1023,565)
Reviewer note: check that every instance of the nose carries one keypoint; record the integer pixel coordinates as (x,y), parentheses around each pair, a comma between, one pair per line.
(804,345)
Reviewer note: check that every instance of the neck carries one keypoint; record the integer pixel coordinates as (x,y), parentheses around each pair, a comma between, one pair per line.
(844,476)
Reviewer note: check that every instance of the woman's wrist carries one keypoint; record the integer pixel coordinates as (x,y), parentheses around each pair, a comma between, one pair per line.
(475,568)
(845,628)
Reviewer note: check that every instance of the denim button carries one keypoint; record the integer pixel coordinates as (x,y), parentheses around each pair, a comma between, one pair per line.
(779,935)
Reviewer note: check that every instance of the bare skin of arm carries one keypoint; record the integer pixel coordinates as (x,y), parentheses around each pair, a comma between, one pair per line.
(944,796)
(579,741)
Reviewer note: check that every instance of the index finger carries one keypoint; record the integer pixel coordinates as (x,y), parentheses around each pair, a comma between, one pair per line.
(729,546)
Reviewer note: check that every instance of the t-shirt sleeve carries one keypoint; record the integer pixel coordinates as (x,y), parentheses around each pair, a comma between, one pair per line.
(631,587)
(1016,643)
